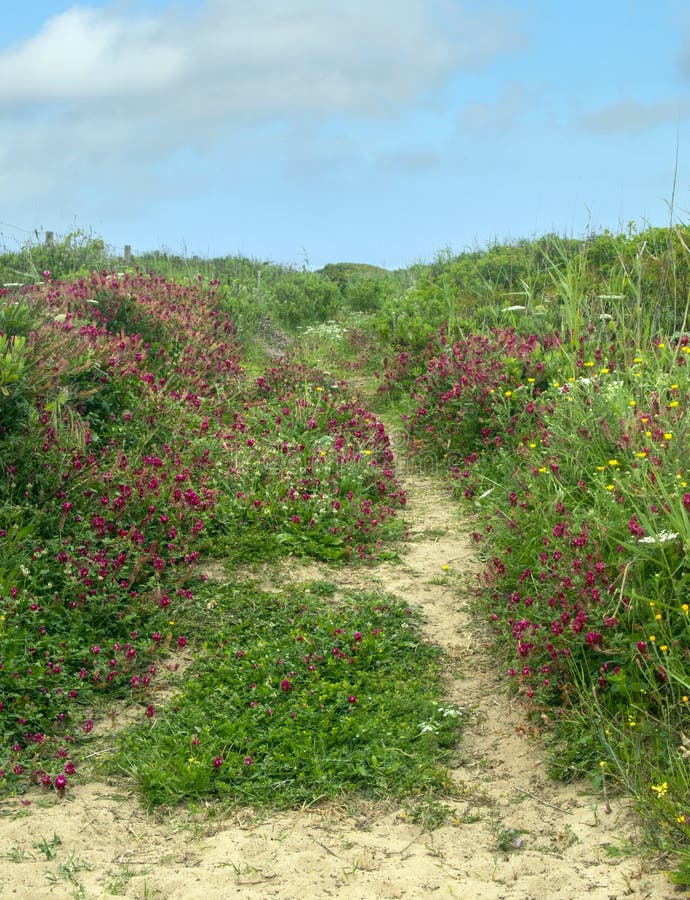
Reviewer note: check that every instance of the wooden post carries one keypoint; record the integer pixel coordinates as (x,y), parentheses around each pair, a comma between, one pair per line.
(49,238)
(128,254)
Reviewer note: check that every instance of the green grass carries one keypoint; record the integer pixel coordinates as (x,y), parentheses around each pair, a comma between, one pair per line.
(297,697)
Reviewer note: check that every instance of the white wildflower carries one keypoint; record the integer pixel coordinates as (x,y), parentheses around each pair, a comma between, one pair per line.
(660,538)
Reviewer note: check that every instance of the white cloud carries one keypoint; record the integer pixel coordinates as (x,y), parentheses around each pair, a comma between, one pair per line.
(86,54)
(351,56)
(99,100)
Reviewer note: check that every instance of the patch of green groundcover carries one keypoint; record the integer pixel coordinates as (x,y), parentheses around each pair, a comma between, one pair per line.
(299,696)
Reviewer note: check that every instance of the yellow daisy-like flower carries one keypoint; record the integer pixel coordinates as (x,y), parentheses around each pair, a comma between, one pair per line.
(668,435)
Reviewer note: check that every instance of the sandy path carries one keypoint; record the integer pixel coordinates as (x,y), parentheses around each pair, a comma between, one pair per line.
(567,840)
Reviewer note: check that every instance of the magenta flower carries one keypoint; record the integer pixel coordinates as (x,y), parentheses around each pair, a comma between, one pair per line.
(285,685)
(217,762)
(60,783)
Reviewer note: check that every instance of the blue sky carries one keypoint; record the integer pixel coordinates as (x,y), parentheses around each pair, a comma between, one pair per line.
(315,131)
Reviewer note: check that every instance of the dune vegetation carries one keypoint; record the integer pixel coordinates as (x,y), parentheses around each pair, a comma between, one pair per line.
(178,413)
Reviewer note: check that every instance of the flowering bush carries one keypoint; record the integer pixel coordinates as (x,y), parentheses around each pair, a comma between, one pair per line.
(574,457)
(131,444)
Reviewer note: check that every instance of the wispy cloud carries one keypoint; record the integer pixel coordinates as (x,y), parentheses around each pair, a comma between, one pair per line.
(408,160)
(496,118)
(633,117)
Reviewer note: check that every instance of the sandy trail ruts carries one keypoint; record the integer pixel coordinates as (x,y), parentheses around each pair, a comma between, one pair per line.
(511,834)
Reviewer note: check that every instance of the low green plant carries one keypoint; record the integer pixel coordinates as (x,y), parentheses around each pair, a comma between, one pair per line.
(295,699)
(506,839)
(49,848)
(428,812)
